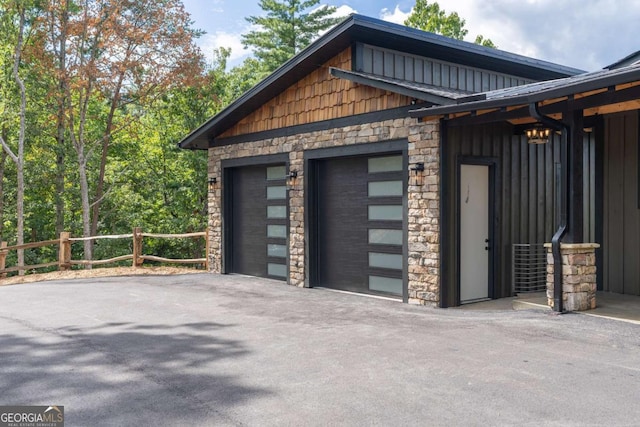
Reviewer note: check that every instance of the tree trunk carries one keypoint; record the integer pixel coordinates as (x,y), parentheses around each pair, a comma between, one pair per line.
(3,160)
(60,120)
(20,158)
(20,213)
(86,208)
(106,140)
(59,198)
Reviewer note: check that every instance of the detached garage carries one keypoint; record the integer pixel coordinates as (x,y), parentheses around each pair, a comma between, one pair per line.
(320,177)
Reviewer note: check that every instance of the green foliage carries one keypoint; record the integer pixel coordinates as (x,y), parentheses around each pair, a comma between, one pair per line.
(287,28)
(484,42)
(149,182)
(430,17)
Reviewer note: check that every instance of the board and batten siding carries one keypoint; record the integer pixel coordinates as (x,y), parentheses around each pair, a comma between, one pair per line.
(404,66)
(526,192)
(620,210)
(317,97)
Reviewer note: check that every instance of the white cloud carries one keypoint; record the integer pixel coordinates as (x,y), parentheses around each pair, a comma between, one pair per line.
(227,40)
(397,16)
(582,34)
(343,11)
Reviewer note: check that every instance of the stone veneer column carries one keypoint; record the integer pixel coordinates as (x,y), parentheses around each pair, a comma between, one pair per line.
(578,276)
(296,220)
(215,217)
(424,214)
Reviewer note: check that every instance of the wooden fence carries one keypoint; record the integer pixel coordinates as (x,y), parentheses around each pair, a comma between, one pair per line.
(137,257)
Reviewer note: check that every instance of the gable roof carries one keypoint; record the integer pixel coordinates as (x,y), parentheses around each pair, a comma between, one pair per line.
(536,92)
(358,28)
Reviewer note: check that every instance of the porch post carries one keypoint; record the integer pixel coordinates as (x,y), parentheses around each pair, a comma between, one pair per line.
(575,276)
(575,214)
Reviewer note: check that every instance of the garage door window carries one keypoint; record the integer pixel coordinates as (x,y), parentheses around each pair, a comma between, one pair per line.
(385,191)
(276,228)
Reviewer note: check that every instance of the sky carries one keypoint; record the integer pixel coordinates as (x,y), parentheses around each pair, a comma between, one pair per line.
(584,34)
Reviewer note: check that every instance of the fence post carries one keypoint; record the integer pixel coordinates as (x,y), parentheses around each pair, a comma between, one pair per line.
(206,249)
(137,247)
(3,258)
(64,252)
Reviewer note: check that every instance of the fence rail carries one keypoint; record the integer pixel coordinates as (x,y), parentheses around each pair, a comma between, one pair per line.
(64,251)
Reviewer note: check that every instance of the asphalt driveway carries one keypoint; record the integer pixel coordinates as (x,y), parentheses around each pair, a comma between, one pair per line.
(204,349)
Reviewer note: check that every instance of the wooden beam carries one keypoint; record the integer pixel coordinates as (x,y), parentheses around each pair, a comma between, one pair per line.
(603,102)
(613,108)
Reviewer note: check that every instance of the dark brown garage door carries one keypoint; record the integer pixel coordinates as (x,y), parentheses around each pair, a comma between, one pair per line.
(360,224)
(259,221)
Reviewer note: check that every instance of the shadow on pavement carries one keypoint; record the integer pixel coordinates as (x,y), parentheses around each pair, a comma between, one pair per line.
(123,373)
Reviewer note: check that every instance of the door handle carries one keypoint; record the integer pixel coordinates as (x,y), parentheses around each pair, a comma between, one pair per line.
(486,248)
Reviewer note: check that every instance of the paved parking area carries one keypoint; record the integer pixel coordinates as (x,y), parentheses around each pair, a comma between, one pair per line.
(231,350)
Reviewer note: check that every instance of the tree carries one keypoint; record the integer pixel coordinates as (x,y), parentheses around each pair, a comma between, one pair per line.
(429,17)
(286,29)
(117,53)
(14,24)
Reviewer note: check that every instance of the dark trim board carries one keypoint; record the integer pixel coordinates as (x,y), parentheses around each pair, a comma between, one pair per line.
(599,198)
(311,211)
(357,150)
(255,160)
(494,244)
(444,217)
(358,119)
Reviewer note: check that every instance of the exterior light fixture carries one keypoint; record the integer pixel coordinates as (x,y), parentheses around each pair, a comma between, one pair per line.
(538,134)
(212,182)
(293,174)
(419,167)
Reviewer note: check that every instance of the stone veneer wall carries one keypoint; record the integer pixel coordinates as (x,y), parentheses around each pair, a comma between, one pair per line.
(578,276)
(423,195)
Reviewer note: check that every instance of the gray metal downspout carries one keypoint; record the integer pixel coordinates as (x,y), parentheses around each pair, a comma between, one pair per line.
(562,227)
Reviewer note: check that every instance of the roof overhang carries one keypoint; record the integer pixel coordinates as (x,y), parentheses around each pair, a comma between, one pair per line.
(429,93)
(600,92)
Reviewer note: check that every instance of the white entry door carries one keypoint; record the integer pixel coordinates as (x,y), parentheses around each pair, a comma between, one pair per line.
(474,232)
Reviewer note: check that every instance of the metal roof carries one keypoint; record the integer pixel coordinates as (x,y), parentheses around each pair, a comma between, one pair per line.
(630,59)
(433,94)
(379,33)
(536,92)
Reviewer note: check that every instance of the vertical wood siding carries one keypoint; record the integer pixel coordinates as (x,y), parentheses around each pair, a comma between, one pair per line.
(526,203)
(317,97)
(526,190)
(621,216)
(403,66)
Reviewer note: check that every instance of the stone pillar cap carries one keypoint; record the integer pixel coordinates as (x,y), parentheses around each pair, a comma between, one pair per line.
(575,245)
